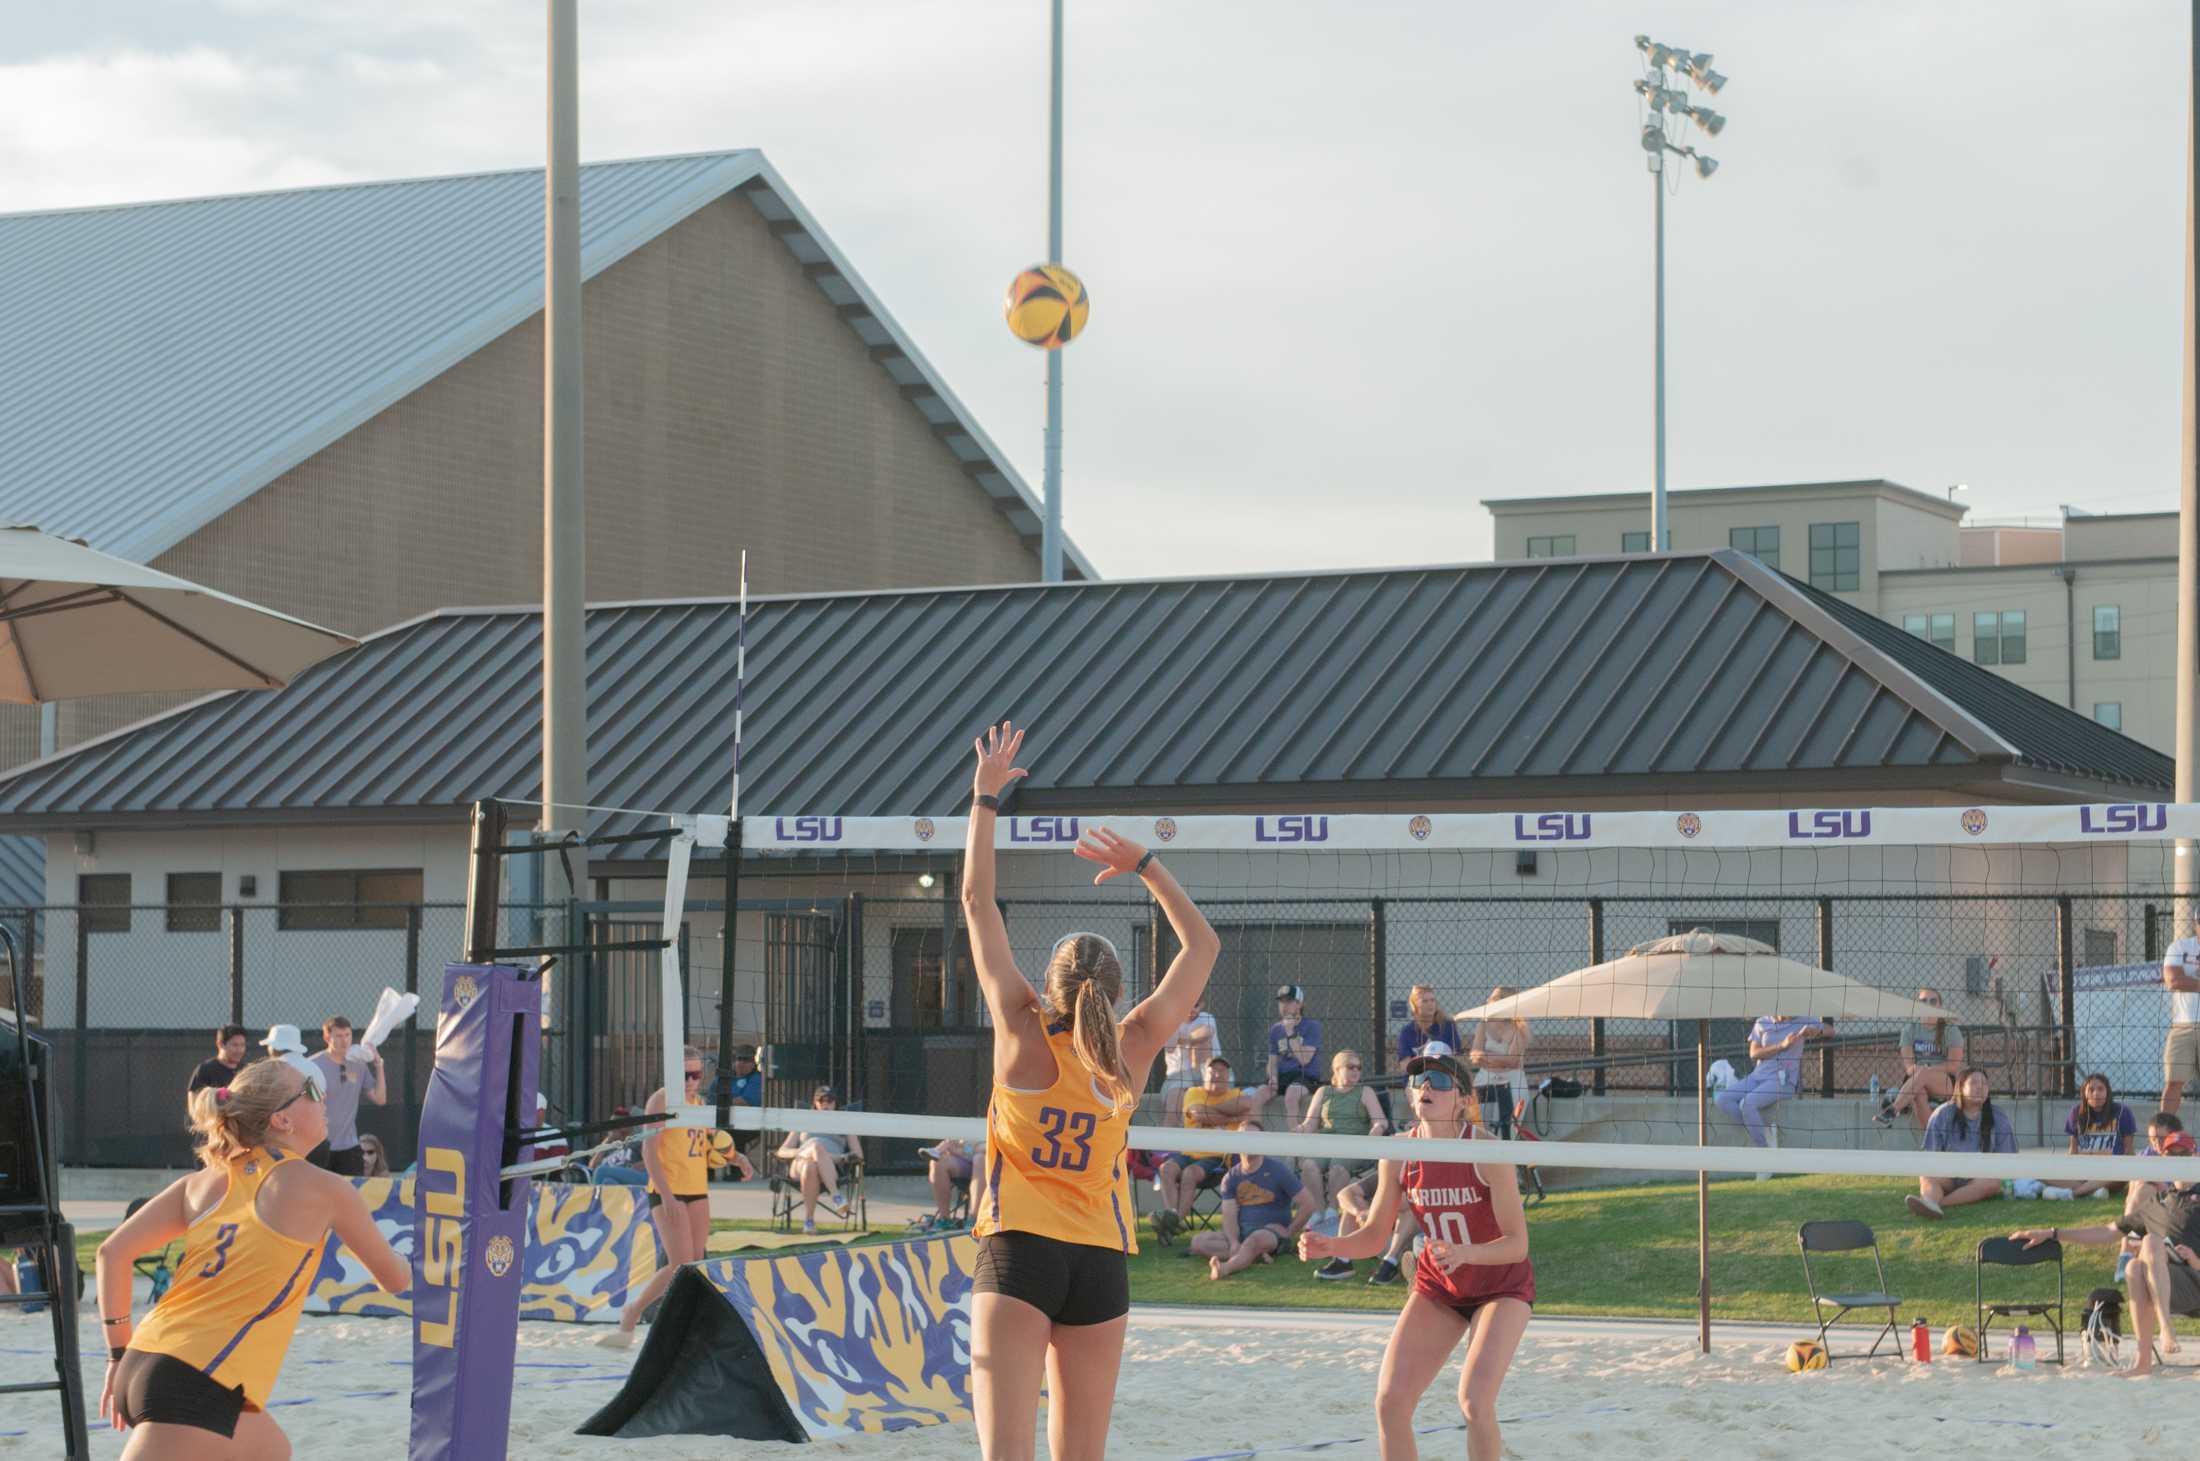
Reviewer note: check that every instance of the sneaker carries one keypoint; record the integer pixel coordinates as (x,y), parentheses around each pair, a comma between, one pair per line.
(1386,1272)
(1335,1268)
(2057,1194)
(1166,1225)
(809,1225)
(1924,1207)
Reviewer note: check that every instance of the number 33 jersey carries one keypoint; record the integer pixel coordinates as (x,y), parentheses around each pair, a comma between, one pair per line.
(1451,1202)
(1055,1158)
(238,1290)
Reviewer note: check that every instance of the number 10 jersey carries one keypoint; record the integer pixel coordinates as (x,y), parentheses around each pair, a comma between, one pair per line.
(1055,1158)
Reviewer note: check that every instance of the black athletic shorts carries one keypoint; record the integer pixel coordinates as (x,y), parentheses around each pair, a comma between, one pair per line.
(1285,1080)
(159,1389)
(657,1200)
(350,1162)
(1070,1283)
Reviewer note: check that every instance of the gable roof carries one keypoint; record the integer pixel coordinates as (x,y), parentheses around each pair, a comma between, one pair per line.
(1662,674)
(167,360)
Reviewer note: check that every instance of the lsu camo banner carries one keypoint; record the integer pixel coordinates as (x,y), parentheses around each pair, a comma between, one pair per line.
(586,1248)
(1412,831)
(866,1339)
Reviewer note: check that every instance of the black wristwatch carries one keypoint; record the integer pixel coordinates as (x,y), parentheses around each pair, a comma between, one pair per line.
(990,803)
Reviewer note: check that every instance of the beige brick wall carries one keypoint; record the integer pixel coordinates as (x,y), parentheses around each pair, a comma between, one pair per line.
(727,406)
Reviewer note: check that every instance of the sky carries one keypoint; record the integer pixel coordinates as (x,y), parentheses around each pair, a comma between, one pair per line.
(1356,265)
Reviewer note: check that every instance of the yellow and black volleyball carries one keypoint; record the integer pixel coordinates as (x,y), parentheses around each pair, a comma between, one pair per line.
(1806,1354)
(1959,1341)
(1047,305)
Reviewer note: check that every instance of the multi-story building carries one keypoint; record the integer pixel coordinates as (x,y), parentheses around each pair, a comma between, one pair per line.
(2082,610)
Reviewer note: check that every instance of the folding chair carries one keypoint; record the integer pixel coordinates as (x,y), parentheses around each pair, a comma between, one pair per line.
(786,1193)
(2009,1253)
(1847,1236)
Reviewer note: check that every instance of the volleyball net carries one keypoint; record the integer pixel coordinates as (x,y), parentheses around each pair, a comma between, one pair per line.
(2040,931)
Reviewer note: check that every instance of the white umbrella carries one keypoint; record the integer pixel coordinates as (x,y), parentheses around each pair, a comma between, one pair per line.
(75,622)
(1703,977)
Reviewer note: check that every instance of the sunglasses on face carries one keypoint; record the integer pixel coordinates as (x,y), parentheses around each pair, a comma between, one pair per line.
(310,1091)
(694,1075)
(1352,1065)
(1434,1080)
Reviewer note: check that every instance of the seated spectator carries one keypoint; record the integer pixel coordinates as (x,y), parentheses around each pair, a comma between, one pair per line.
(1499,1057)
(1263,1208)
(2102,1125)
(1776,1045)
(1932,1054)
(813,1162)
(376,1155)
(950,1163)
(1216,1103)
(2164,1218)
(1969,1123)
(1344,1107)
(621,1164)
(1294,1052)
(1429,1022)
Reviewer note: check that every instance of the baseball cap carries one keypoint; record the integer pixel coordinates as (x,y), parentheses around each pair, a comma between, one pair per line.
(1291,991)
(1443,1064)
(1436,1047)
(744,1052)
(284,1040)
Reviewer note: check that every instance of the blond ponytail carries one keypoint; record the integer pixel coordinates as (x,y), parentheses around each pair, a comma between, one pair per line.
(1098,1044)
(230,1121)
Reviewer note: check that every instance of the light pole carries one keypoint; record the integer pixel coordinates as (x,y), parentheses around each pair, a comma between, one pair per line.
(1669,110)
(1050,529)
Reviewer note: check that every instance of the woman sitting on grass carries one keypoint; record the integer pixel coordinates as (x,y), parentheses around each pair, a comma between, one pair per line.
(1969,1123)
(2102,1125)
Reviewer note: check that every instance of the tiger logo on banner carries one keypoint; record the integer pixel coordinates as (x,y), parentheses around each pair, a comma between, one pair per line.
(586,1247)
(862,1339)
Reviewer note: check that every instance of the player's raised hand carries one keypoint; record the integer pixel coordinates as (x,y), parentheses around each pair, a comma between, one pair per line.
(1116,855)
(997,766)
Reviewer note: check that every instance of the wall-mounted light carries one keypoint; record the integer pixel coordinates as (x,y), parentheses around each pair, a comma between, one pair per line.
(926,880)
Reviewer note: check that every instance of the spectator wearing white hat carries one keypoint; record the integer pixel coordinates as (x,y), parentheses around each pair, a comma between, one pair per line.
(1294,1052)
(284,1040)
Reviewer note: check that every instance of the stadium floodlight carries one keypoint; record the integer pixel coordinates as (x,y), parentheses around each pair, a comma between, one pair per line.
(1667,106)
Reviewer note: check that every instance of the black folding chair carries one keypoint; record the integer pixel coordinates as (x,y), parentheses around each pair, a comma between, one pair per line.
(1847,1236)
(2009,1253)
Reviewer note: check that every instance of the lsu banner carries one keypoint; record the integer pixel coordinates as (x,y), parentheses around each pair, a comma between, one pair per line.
(865,1339)
(586,1248)
(1406,832)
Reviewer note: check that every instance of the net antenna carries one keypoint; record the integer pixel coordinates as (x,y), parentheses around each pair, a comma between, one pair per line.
(732,844)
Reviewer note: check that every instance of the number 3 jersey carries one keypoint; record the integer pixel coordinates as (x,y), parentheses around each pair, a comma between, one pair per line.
(1451,1202)
(1054,1160)
(235,1301)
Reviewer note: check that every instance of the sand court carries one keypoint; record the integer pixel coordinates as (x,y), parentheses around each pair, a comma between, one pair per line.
(1204,1385)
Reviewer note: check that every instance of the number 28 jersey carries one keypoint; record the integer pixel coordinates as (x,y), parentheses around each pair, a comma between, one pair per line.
(1055,1158)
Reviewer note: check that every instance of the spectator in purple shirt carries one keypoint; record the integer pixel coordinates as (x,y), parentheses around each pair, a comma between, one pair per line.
(1429,1022)
(1263,1208)
(1776,1044)
(1294,1052)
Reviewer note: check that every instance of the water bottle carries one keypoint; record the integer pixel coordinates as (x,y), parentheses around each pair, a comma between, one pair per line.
(2022,1352)
(1875,1093)
(1921,1341)
(30,1281)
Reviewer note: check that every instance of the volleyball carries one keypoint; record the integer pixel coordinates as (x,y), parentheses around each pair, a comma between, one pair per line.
(1959,1341)
(1047,305)
(721,1149)
(1806,1354)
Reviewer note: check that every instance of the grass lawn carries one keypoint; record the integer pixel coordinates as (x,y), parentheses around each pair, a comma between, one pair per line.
(1632,1251)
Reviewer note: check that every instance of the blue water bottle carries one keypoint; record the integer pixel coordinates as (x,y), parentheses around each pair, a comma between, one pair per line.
(30,1281)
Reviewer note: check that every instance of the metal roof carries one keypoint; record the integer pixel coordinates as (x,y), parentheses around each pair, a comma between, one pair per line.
(22,872)
(1584,677)
(167,360)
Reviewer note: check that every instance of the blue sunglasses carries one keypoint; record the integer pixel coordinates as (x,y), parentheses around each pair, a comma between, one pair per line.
(1435,1080)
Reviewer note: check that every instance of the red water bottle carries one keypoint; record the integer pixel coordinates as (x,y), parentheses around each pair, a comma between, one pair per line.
(1921,1341)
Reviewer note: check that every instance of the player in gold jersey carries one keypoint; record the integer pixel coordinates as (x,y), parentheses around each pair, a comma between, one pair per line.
(1051,1296)
(192,1382)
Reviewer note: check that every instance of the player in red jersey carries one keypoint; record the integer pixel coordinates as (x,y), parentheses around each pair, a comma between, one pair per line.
(1473,1277)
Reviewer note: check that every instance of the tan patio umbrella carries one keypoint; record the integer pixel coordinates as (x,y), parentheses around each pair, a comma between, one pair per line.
(1703,977)
(75,622)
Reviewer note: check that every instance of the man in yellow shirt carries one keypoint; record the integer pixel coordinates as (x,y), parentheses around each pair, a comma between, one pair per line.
(1215,1103)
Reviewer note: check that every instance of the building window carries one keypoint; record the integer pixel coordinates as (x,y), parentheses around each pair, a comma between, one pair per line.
(103,902)
(2108,631)
(1998,639)
(1762,544)
(194,902)
(1917,624)
(1558,545)
(362,898)
(1943,633)
(1634,542)
(1836,553)
(2109,713)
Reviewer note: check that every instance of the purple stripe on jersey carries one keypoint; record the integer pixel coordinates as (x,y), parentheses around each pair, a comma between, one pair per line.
(273,1304)
(993,1186)
(1115,1192)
